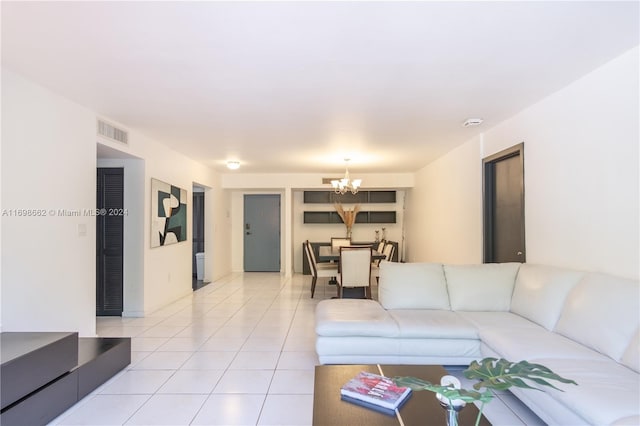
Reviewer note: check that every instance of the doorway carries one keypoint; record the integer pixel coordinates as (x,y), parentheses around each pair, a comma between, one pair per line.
(197,257)
(503,205)
(109,241)
(261,233)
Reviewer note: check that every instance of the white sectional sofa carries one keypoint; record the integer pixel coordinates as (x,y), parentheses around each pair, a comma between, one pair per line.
(584,326)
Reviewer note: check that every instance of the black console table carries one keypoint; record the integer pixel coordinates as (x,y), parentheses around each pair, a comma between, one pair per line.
(43,374)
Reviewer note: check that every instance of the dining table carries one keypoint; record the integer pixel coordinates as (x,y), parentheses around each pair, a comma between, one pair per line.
(332,254)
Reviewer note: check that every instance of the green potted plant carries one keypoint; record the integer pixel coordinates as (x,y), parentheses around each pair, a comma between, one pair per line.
(492,374)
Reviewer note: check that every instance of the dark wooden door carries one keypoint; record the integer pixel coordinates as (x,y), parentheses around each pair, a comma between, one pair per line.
(262,233)
(198,227)
(109,241)
(504,226)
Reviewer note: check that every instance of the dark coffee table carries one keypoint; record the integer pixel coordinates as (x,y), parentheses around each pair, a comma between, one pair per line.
(421,409)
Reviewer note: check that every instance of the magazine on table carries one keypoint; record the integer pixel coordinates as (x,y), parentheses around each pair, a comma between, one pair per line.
(374,391)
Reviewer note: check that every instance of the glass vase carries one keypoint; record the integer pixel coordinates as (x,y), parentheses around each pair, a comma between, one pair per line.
(451,413)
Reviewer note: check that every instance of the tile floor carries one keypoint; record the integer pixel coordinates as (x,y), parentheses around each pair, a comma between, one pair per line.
(239,351)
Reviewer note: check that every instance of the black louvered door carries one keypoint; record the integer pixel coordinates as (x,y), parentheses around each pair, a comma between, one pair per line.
(109,241)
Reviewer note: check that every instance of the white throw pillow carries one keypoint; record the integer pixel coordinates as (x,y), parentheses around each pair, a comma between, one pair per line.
(412,286)
(601,312)
(486,287)
(540,293)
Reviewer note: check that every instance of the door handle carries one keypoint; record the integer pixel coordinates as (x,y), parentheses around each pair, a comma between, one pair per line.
(519,253)
(248,233)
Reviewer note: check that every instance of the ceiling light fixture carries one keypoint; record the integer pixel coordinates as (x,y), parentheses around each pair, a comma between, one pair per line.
(341,186)
(233,165)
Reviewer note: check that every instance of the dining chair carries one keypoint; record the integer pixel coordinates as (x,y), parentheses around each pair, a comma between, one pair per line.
(379,249)
(323,270)
(388,251)
(355,269)
(337,242)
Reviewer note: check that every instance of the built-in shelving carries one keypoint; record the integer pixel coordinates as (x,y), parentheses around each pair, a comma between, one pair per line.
(325,217)
(362,197)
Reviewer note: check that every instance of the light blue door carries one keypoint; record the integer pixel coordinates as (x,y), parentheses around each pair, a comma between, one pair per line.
(262,233)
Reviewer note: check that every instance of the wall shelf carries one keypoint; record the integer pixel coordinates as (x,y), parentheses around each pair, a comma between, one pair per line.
(324,217)
(362,197)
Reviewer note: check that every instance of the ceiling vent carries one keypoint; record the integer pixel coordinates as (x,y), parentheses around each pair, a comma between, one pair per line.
(109,131)
(328,180)
(472,122)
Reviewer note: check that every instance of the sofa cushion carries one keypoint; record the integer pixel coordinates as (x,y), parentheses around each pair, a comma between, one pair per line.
(540,293)
(601,312)
(631,356)
(486,287)
(412,286)
(354,317)
(496,319)
(606,390)
(432,324)
(517,344)
(357,345)
(447,349)
(627,421)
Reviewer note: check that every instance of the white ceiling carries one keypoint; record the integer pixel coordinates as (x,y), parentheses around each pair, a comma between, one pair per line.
(298,86)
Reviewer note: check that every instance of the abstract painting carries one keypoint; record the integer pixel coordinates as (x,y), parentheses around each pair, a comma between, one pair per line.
(168,214)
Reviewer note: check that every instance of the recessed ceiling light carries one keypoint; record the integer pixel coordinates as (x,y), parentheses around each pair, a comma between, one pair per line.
(233,165)
(472,122)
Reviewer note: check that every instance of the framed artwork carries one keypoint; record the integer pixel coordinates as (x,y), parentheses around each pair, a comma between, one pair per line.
(168,214)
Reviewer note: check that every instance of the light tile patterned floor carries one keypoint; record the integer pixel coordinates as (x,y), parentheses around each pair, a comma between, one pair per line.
(239,351)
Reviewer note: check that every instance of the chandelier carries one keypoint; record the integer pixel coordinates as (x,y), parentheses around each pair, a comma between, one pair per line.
(341,186)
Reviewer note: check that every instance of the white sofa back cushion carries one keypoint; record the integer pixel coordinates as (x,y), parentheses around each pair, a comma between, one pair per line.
(540,293)
(601,312)
(486,287)
(412,286)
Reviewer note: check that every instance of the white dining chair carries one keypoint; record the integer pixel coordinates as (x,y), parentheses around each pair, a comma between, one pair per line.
(388,251)
(355,269)
(379,249)
(323,270)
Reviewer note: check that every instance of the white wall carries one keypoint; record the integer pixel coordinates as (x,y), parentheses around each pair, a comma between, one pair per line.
(581,178)
(48,163)
(168,269)
(294,232)
(444,210)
